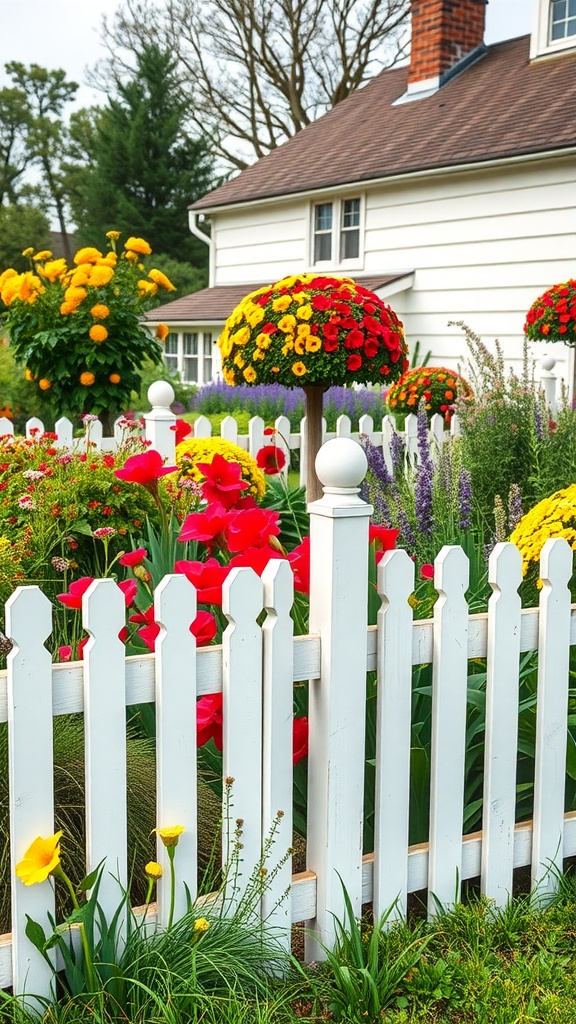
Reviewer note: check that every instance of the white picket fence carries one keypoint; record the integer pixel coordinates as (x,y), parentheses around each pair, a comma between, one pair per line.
(255,669)
(160,422)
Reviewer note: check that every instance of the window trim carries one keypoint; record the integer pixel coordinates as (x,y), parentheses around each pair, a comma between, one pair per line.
(540,43)
(335,263)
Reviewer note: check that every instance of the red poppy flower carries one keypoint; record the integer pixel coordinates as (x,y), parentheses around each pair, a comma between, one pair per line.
(204,628)
(207,577)
(144,469)
(76,590)
(427,571)
(129,588)
(299,559)
(330,332)
(299,740)
(252,528)
(384,538)
(355,339)
(209,720)
(132,558)
(64,653)
(371,348)
(271,459)
(223,482)
(205,526)
(354,362)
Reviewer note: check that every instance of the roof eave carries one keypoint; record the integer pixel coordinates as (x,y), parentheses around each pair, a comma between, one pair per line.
(389,178)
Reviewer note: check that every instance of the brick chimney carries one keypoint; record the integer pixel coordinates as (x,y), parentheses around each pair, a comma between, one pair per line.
(443,33)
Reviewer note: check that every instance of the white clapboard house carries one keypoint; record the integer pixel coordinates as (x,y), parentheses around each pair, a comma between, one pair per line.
(448,186)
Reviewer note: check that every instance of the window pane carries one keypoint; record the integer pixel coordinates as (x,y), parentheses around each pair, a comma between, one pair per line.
(351,213)
(191,368)
(190,344)
(572,8)
(322,247)
(171,362)
(171,344)
(323,217)
(350,244)
(571,27)
(558,10)
(207,342)
(207,360)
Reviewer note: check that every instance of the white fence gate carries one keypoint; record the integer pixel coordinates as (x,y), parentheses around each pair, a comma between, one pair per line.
(255,668)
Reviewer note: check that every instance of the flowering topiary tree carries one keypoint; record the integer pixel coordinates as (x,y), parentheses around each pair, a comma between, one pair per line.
(552,317)
(313,331)
(438,386)
(78,330)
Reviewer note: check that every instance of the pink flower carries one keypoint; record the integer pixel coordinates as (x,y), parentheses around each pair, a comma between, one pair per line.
(64,653)
(299,559)
(209,720)
(299,740)
(104,531)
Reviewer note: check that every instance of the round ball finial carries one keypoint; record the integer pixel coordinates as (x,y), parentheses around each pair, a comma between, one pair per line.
(161,393)
(547,362)
(341,463)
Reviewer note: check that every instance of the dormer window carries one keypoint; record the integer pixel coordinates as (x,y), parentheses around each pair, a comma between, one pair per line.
(337,233)
(562,19)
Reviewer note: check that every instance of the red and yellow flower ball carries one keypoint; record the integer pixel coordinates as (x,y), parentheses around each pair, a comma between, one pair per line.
(312,329)
(438,386)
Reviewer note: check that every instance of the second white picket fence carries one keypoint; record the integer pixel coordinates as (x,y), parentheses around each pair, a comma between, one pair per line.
(255,668)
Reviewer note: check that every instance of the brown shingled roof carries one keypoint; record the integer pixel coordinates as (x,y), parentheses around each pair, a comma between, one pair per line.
(500,106)
(214,305)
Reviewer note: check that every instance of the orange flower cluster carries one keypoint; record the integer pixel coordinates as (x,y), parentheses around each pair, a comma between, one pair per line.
(552,317)
(438,387)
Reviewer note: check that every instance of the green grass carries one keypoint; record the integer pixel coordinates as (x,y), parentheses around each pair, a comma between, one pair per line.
(472,965)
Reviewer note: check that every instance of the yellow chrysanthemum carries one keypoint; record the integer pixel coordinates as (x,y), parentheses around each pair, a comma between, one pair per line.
(280,305)
(249,374)
(255,316)
(6,275)
(101,275)
(100,311)
(304,312)
(240,337)
(9,290)
(138,245)
(54,269)
(113,235)
(159,278)
(81,276)
(203,449)
(87,255)
(98,333)
(28,252)
(146,288)
(40,860)
(298,369)
(287,323)
(30,287)
(87,378)
(45,254)
(550,518)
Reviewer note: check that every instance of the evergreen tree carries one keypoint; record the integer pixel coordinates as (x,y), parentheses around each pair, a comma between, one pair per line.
(146,167)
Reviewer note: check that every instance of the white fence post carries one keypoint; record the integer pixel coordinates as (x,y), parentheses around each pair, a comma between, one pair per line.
(34,427)
(31,774)
(552,709)
(6,426)
(160,421)
(338,612)
(65,432)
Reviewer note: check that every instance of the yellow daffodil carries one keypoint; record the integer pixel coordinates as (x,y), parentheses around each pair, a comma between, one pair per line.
(40,860)
(170,835)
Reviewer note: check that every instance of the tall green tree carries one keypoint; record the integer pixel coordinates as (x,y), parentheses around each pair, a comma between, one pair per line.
(147,168)
(21,226)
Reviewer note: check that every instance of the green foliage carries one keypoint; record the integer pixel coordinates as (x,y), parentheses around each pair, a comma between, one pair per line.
(146,169)
(185,277)
(17,397)
(151,372)
(20,226)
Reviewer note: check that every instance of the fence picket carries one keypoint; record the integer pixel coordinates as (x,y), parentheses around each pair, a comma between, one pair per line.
(64,429)
(449,680)
(282,439)
(256,439)
(31,773)
(551,733)
(500,751)
(34,426)
(6,427)
(277,742)
(343,426)
(393,731)
(229,429)
(176,747)
(202,427)
(103,616)
(242,602)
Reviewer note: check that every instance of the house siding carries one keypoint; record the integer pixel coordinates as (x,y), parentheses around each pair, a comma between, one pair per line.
(482,243)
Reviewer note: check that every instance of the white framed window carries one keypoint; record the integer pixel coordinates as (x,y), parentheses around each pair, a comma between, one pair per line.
(337,233)
(192,354)
(562,20)
(554,27)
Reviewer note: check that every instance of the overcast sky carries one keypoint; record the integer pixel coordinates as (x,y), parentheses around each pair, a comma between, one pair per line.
(65,33)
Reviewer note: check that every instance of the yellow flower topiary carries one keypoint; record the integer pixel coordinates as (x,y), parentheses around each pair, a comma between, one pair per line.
(550,518)
(203,449)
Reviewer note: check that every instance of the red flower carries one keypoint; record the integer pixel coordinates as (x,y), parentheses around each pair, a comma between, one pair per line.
(109,461)
(271,459)
(182,430)
(209,720)
(129,588)
(223,481)
(207,577)
(144,469)
(355,339)
(73,599)
(330,346)
(330,332)
(427,571)
(204,628)
(64,653)
(252,528)
(132,558)
(321,302)
(254,558)
(299,559)
(299,739)
(371,348)
(205,526)
(354,362)
(384,538)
